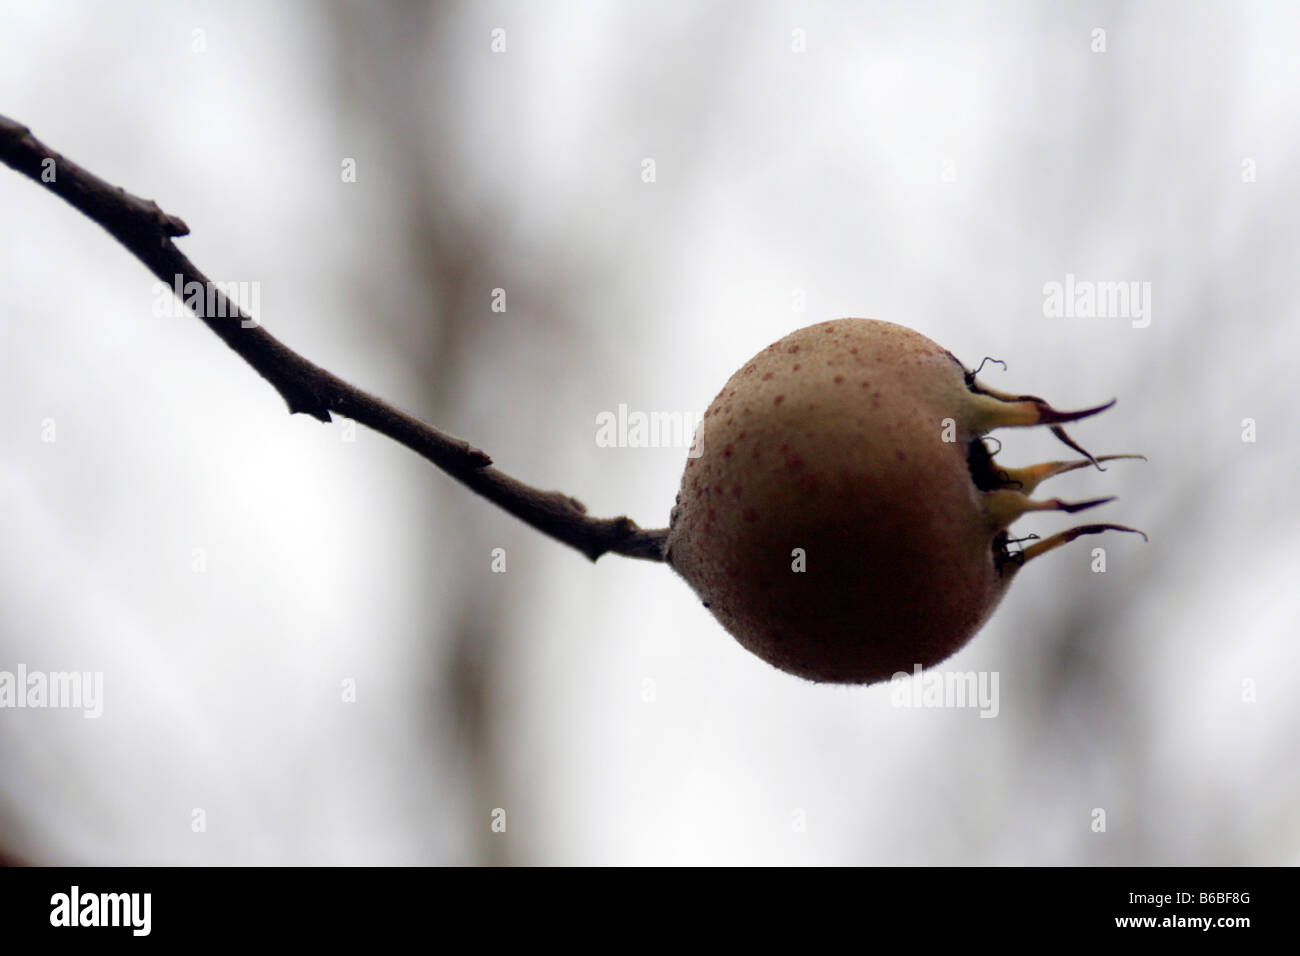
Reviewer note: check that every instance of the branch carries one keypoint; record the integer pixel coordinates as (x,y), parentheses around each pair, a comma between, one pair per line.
(147,233)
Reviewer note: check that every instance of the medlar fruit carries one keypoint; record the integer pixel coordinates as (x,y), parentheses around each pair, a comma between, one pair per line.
(843,517)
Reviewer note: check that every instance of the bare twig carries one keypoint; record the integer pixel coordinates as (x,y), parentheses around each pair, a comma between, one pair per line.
(147,232)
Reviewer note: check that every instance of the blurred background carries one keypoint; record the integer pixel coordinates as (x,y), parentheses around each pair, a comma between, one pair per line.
(306,655)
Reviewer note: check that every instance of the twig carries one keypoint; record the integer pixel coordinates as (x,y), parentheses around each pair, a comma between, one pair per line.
(147,232)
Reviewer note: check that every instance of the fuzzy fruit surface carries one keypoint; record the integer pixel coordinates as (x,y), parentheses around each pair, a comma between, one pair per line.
(826,522)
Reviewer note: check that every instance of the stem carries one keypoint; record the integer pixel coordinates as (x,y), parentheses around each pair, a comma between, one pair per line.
(147,233)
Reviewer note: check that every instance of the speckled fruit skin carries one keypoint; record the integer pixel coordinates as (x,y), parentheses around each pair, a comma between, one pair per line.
(831,441)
